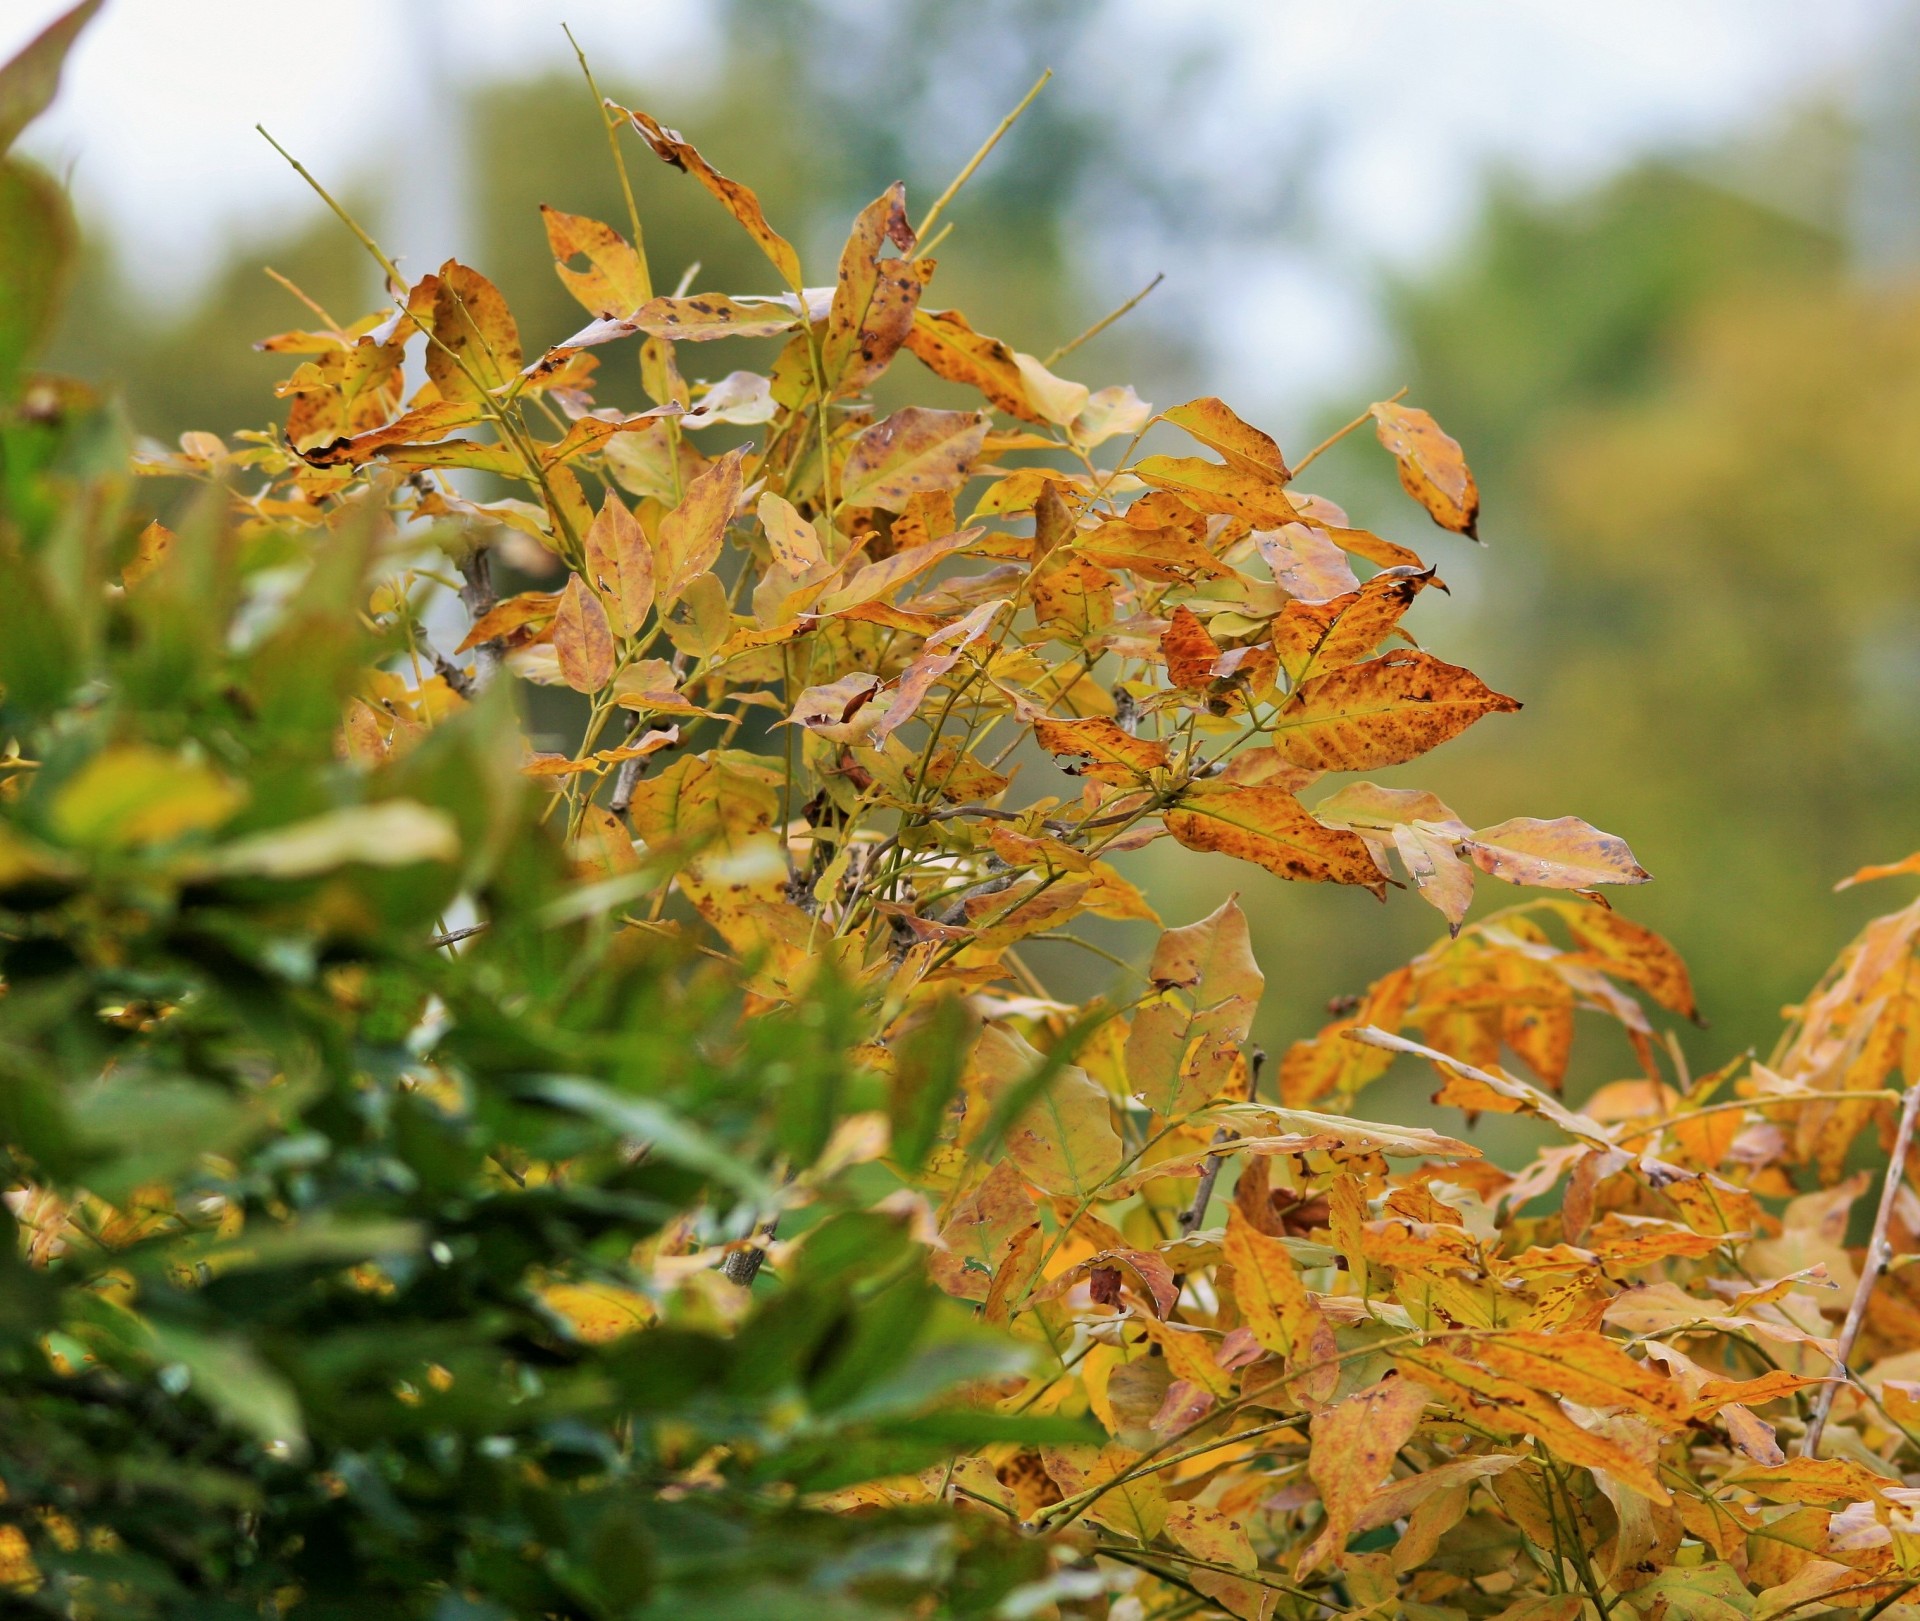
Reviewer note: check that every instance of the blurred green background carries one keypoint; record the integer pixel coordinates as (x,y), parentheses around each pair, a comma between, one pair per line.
(1691,399)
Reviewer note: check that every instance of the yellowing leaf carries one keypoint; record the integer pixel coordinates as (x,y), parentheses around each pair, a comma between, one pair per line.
(943,342)
(1112,755)
(475,346)
(1269,826)
(692,533)
(582,639)
(1354,1445)
(913,452)
(739,201)
(1562,854)
(391,833)
(599,1312)
(1189,651)
(615,282)
(620,565)
(1214,487)
(1064,1140)
(133,794)
(1383,712)
(1054,398)
(150,550)
(874,299)
(1216,425)
(1276,1307)
(794,542)
(1432,470)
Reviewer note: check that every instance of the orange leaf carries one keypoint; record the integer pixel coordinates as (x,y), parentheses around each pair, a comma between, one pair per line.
(582,639)
(1214,487)
(1312,638)
(943,342)
(1354,1443)
(738,200)
(504,618)
(1189,651)
(1383,712)
(1112,755)
(615,284)
(620,564)
(1432,470)
(692,533)
(1276,1306)
(1269,826)
(1215,424)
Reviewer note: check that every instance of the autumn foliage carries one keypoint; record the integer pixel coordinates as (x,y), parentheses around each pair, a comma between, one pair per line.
(676,1186)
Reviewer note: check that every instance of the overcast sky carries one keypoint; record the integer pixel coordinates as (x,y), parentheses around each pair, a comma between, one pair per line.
(156,123)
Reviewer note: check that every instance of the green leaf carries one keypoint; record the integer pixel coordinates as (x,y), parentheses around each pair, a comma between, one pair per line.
(30,80)
(36,256)
(231,1378)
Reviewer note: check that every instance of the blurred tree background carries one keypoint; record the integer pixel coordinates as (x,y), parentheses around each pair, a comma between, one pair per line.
(1679,398)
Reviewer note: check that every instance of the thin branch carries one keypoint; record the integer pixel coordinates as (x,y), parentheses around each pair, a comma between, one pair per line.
(1879,1252)
(1333,439)
(1104,322)
(974,162)
(612,126)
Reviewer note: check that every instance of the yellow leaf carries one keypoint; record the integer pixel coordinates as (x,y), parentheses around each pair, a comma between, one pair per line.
(599,1312)
(1064,1140)
(794,542)
(133,794)
(149,552)
(1312,638)
(615,282)
(476,346)
(913,452)
(1432,469)
(1276,1307)
(1562,854)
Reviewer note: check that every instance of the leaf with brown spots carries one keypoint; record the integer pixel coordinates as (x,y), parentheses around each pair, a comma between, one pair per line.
(670,146)
(475,345)
(1270,827)
(875,299)
(913,452)
(1189,651)
(1633,952)
(1215,424)
(1215,487)
(620,565)
(582,638)
(1432,470)
(1312,638)
(942,341)
(1111,755)
(1355,1443)
(1383,712)
(1564,853)
(505,619)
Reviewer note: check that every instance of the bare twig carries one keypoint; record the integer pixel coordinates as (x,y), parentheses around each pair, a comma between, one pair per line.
(980,157)
(454,936)
(1879,1252)
(1333,439)
(1104,322)
(478,596)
